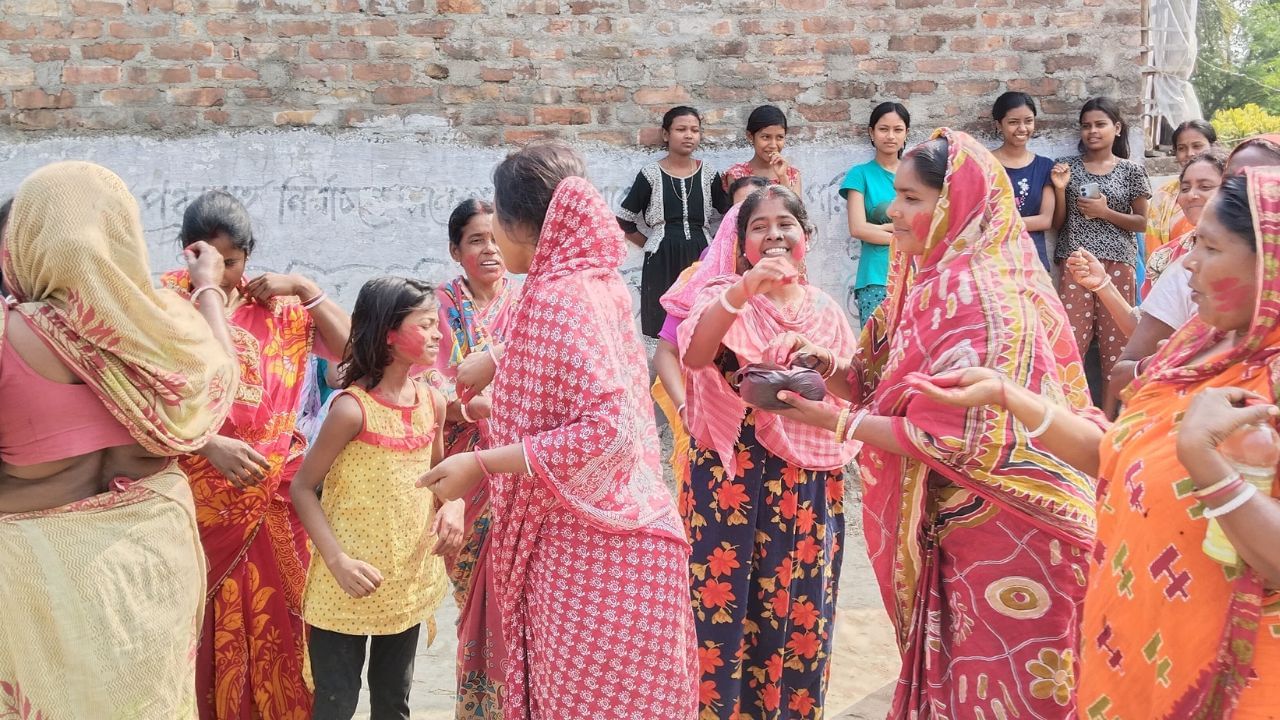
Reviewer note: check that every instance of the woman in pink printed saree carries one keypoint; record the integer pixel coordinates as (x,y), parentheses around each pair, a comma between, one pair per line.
(977,534)
(588,554)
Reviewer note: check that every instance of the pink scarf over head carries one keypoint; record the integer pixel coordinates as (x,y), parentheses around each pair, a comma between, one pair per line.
(977,296)
(713,409)
(573,380)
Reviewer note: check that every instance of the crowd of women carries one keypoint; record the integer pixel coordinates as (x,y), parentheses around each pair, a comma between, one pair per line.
(175,546)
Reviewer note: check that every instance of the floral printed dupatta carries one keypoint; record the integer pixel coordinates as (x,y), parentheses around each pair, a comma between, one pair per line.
(976,296)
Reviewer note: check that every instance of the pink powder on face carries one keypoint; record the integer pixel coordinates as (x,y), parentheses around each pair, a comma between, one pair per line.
(1229,294)
(920,225)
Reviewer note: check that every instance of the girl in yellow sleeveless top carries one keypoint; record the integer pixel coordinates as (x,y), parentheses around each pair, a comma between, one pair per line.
(377,533)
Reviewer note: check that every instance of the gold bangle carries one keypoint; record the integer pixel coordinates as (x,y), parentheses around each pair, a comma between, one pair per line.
(840,424)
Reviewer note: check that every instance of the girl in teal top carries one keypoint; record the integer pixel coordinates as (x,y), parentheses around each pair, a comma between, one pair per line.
(868,190)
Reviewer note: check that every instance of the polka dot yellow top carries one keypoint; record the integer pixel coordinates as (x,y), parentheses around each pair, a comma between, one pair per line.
(380,517)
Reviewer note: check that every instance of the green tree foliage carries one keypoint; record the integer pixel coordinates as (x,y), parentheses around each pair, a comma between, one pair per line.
(1239,58)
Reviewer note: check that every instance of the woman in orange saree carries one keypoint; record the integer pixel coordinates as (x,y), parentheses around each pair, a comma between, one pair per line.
(1168,631)
(250,661)
(977,534)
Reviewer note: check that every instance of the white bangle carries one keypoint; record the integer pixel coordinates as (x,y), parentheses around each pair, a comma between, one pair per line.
(524,453)
(315,300)
(462,410)
(1105,282)
(724,303)
(210,288)
(854,423)
(1233,504)
(1045,423)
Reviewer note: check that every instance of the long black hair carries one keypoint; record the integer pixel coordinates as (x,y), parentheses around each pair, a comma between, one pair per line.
(462,215)
(1109,107)
(381,307)
(214,212)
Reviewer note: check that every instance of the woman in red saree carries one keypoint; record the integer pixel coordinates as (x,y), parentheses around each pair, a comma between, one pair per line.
(475,313)
(250,662)
(588,553)
(977,535)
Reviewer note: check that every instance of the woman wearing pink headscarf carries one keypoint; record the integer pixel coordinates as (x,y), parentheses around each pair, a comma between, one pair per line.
(588,554)
(764,502)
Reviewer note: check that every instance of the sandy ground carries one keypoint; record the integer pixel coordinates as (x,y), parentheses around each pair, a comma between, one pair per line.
(865,658)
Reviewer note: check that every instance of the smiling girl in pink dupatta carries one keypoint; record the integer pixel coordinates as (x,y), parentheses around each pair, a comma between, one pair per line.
(588,554)
(764,505)
(977,534)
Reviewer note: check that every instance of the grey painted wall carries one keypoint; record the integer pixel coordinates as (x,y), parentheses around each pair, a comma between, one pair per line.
(342,208)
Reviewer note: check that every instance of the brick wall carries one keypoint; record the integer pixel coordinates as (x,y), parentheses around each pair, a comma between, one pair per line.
(497,71)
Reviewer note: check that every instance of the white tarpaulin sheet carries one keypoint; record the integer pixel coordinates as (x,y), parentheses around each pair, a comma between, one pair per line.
(1173,57)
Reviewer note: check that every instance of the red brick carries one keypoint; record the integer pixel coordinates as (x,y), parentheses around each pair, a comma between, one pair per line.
(382,72)
(607,137)
(915,43)
(217,117)
(235,27)
(90,74)
(1037,43)
(97,8)
(368,28)
(84,29)
(482,115)
(946,21)
(197,97)
(1057,63)
(402,94)
(36,99)
(972,88)
(725,49)
(1041,87)
(159,76)
(461,7)
(523,137)
(790,46)
(295,117)
(1008,20)
(722,94)
(847,46)
(977,44)
(437,29)
(182,51)
(269,51)
(497,74)
(135,30)
(804,67)
(35,119)
(435,71)
(13,31)
(298,28)
(128,96)
(42,53)
(336,50)
(257,93)
(803,5)
(469,94)
(905,89)
(777,91)
(236,71)
(938,65)
(879,66)
(847,90)
(766,27)
(110,51)
(995,63)
(331,72)
(156,6)
(1063,20)
(562,116)
(825,112)
(829,25)
(661,96)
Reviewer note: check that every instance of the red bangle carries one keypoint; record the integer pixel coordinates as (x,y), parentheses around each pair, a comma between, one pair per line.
(1223,493)
(480,462)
